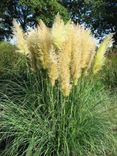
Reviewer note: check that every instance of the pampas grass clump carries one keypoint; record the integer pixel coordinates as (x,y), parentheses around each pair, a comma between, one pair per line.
(65,51)
(36,119)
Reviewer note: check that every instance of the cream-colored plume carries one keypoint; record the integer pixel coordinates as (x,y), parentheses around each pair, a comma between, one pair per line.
(88,47)
(100,55)
(58,32)
(65,51)
(20,38)
(76,53)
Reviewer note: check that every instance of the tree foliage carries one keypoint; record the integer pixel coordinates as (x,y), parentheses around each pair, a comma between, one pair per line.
(28,13)
(105,14)
(100,15)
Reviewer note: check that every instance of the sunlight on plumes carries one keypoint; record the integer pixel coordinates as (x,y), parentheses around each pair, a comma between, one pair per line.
(20,38)
(64,60)
(64,67)
(65,51)
(88,47)
(100,56)
(35,51)
(91,57)
(44,41)
(58,32)
(76,53)
(53,66)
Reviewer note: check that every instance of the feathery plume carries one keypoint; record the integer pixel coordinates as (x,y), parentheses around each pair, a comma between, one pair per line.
(58,32)
(20,39)
(100,55)
(64,67)
(64,51)
(44,41)
(53,66)
(34,49)
(76,54)
(64,60)
(88,47)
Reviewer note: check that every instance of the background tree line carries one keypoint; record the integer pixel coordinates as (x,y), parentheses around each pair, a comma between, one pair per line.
(99,15)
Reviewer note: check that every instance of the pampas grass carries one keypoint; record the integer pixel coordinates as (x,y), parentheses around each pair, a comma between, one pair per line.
(65,51)
(37,118)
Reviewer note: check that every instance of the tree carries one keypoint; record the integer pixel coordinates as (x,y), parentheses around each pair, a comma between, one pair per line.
(27,13)
(105,14)
(77,10)
(99,15)
(12,9)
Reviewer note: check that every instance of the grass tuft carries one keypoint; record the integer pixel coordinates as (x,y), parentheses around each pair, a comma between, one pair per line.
(37,120)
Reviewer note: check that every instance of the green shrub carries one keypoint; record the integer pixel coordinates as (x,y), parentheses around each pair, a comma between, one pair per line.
(37,120)
(10,60)
(109,72)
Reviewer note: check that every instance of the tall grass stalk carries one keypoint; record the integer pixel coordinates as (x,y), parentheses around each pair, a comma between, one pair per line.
(37,120)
